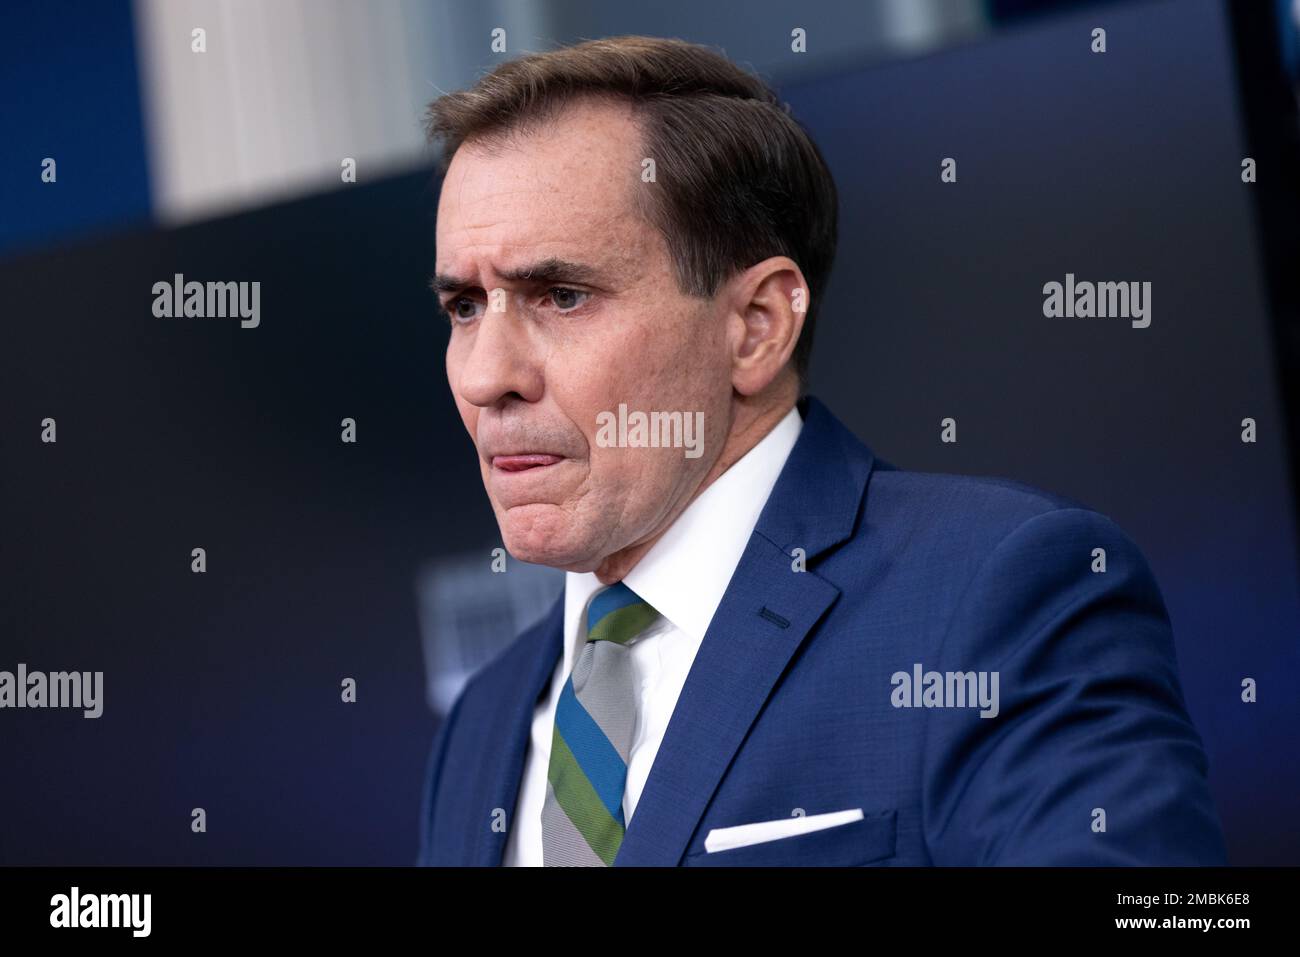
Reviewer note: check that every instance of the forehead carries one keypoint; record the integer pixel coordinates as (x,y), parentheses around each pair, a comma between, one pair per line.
(566,185)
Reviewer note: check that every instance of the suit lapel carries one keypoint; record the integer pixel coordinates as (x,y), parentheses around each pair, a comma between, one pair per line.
(767,612)
(762,620)
(527,673)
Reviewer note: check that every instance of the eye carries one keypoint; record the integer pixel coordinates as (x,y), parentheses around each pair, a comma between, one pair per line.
(461,310)
(566,299)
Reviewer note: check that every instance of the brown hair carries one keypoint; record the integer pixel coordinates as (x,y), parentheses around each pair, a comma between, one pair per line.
(742,180)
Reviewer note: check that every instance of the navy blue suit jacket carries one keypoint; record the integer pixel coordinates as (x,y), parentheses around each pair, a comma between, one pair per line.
(791,704)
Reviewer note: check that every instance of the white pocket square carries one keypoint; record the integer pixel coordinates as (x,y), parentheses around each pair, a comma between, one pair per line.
(742,835)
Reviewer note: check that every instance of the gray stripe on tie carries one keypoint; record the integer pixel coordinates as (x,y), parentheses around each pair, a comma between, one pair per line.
(563,844)
(604,681)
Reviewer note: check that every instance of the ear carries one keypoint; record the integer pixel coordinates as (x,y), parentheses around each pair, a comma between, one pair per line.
(767,306)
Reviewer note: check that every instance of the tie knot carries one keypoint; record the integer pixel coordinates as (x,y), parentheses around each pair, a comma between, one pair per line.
(618,614)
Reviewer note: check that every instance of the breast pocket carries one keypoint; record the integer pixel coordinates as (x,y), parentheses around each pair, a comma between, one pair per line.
(868,840)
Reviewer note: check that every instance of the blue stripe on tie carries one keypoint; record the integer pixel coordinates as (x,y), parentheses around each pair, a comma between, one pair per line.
(613,598)
(598,758)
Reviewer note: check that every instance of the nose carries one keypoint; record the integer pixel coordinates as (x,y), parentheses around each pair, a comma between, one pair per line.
(499,361)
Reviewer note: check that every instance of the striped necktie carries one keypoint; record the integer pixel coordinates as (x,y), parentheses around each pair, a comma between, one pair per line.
(582,819)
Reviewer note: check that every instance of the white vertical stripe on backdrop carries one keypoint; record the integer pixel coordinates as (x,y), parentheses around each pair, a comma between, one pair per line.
(289,88)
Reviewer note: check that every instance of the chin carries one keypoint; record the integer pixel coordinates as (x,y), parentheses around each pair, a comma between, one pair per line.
(544,535)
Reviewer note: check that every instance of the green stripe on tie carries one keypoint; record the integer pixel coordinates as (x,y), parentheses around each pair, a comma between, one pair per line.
(581,803)
(624,624)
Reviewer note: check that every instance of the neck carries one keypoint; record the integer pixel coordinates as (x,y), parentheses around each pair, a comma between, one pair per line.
(748,428)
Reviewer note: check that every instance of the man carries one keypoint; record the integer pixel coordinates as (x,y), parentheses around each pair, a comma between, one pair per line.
(772,647)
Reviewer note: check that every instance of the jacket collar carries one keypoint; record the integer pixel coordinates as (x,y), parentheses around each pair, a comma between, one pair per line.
(814,505)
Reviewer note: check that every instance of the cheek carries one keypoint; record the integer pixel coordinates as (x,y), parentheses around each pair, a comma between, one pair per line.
(657,353)
(694,362)
(587,378)
(622,483)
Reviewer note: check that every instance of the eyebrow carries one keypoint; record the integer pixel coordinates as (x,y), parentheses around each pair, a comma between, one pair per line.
(545,271)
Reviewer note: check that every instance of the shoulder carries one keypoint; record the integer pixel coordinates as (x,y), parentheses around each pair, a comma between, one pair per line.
(960,550)
(1002,560)
(955,514)
(916,513)
(986,497)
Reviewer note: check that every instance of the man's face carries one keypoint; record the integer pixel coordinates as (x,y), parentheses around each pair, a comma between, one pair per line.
(533,360)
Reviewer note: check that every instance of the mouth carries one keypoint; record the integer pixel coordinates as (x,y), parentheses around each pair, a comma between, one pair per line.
(525,462)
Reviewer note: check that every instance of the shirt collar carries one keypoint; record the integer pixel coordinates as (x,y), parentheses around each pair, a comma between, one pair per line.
(685,574)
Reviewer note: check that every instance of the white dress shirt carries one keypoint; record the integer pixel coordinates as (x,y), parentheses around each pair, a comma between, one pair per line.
(683,576)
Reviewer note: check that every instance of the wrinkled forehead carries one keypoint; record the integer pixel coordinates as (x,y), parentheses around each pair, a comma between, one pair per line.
(570,180)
